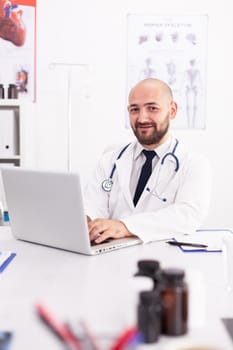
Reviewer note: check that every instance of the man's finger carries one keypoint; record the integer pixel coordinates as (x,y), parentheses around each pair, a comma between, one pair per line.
(96,236)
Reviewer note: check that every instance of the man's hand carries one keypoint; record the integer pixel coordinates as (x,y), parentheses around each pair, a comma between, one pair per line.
(102,229)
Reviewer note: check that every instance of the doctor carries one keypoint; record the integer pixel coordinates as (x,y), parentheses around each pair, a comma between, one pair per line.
(120,200)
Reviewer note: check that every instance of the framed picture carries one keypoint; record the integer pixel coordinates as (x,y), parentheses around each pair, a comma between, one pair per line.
(18,47)
(172,48)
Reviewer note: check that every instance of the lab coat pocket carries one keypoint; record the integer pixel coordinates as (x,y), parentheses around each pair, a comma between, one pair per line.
(167,191)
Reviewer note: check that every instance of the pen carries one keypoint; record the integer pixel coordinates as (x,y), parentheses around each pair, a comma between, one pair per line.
(63,332)
(127,336)
(195,245)
(89,337)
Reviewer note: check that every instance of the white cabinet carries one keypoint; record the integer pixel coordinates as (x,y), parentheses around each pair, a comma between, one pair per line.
(11,150)
(10,132)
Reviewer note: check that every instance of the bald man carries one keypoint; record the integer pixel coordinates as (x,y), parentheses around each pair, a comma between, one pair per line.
(153,188)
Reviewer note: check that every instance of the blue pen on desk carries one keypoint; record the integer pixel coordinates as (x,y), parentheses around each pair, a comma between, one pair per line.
(5,259)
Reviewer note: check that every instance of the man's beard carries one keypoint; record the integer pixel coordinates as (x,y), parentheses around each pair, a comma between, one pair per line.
(153,138)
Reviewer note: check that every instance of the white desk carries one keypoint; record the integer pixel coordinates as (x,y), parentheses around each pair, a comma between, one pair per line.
(102,291)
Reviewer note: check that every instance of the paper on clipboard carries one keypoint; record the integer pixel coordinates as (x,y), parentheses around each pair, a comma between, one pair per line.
(213,240)
(209,249)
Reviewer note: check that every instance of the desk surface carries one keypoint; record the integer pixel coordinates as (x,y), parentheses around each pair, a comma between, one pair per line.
(102,291)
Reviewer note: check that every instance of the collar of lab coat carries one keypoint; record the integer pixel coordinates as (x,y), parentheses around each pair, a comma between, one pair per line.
(160,150)
(124,168)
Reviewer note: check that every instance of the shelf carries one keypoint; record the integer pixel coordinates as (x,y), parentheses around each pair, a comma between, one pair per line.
(2,158)
(9,102)
(14,161)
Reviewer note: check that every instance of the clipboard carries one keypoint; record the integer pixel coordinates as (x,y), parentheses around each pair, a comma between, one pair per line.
(189,249)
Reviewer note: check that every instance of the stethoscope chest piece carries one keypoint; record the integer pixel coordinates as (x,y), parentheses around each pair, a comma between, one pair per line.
(107,185)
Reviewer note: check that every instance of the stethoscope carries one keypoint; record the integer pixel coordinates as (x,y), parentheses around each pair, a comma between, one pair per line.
(108,183)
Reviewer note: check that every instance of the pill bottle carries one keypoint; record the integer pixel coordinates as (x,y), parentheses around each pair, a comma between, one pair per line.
(149,268)
(149,316)
(174,299)
(12,91)
(2,91)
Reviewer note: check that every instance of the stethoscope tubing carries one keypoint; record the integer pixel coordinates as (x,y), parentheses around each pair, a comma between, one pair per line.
(118,157)
(172,154)
(107,184)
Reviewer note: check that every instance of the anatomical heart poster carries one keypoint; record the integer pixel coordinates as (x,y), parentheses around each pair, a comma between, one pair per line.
(18,47)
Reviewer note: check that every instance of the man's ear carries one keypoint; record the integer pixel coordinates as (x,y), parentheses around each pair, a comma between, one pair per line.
(173,109)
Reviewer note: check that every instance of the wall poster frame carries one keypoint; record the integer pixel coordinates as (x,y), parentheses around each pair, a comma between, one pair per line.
(18,47)
(172,48)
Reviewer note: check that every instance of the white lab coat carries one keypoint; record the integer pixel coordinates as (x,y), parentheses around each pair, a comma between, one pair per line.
(187,194)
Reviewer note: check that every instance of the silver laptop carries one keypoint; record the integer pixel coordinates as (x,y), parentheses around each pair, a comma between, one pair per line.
(46,207)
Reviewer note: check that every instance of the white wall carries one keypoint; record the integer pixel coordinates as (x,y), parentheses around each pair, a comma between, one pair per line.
(94,32)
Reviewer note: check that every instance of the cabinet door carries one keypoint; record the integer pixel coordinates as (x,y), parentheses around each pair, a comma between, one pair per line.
(9,132)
